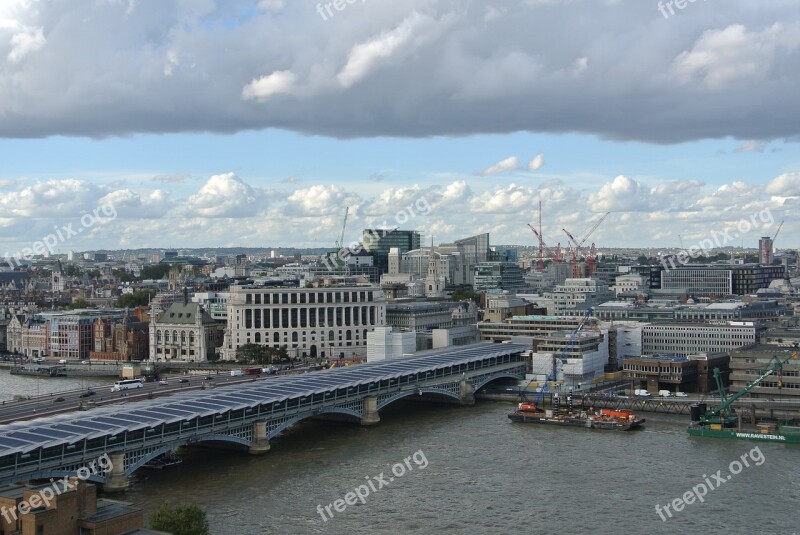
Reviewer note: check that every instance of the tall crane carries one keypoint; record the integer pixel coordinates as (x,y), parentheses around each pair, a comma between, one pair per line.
(777,232)
(576,247)
(340,242)
(554,254)
(722,413)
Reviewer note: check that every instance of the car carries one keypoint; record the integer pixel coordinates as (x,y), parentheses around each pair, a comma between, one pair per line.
(681,394)
(209,377)
(163,382)
(184,380)
(85,362)
(57,400)
(38,359)
(88,393)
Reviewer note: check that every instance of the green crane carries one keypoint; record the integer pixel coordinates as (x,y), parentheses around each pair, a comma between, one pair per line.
(722,413)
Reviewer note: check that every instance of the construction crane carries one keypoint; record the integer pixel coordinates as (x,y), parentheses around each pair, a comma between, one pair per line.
(340,242)
(339,255)
(722,414)
(576,247)
(554,254)
(777,232)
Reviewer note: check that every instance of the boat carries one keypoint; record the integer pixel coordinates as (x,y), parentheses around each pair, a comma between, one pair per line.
(161,462)
(723,421)
(607,419)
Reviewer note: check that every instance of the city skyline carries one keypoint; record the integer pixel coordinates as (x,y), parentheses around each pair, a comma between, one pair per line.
(270,150)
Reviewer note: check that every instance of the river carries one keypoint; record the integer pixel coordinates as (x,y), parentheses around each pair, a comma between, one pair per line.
(470,470)
(479,473)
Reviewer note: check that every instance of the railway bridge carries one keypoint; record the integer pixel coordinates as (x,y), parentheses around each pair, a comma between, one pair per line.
(247,415)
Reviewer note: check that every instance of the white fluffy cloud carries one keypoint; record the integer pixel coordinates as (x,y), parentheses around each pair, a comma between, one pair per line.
(228,210)
(504,166)
(785,185)
(536,163)
(227,195)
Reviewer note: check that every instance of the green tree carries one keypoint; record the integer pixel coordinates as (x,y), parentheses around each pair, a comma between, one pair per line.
(181,519)
(134,300)
(79,303)
(155,272)
(123,275)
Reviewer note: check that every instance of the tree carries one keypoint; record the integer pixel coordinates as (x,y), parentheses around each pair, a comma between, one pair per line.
(155,272)
(134,299)
(78,304)
(181,519)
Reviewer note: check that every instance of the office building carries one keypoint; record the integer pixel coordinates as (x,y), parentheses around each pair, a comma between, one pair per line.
(322,321)
(575,296)
(505,276)
(683,339)
(378,243)
(748,363)
(720,280)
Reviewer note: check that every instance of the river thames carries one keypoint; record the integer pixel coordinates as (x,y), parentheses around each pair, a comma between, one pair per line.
(431,468)
(483,474)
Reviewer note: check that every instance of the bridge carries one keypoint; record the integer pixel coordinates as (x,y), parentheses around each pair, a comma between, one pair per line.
(247,416)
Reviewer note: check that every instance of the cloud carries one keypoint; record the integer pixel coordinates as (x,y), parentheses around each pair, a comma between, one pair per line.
(25,42)
(622,194)
(536,163)
(364,56)
(418,68)
(320,200)
(226,195)
(266,86)
(173,178)
(750,146)
(785,185)
(271,5)
(508,165)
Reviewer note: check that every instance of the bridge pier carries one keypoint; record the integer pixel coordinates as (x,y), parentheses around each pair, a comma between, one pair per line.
(260,442)
(370,411)
(465,393)
(117,479)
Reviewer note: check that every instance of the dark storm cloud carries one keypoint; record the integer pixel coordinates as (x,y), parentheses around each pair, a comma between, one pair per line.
(617,69)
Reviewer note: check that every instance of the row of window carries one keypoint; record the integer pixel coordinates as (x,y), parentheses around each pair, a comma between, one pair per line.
(283,318)
(174,338)
(301,298)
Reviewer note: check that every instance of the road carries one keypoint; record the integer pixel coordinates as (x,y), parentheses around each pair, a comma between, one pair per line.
(11,411)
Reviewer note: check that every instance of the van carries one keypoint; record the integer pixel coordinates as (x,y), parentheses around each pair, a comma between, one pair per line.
(62,361)
(643,393)
(664,393)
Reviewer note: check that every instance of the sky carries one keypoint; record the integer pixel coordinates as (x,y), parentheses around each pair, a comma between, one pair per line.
(210,123)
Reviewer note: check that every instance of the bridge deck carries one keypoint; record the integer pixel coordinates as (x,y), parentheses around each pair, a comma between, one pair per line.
(64,431)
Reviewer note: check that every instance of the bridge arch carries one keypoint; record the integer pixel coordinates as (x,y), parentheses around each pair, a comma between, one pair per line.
(486,380)
(431,391)
(283,426)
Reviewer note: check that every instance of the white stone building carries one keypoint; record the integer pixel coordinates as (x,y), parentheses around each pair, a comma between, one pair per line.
(331,321)
(186,332)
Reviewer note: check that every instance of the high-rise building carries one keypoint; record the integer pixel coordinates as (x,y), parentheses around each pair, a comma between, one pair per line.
(378,242)
(498,275)
(765,251)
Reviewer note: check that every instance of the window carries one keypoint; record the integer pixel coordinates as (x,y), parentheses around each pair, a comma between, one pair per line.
(183,337)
